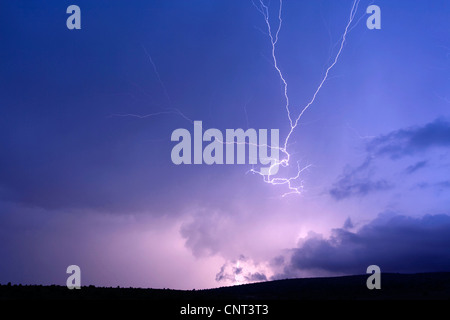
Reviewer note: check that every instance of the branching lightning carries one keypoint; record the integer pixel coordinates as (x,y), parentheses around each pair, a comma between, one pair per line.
(292,183)
(264,10)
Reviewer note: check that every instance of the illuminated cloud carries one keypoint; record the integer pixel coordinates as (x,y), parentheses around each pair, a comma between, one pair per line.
(242,270)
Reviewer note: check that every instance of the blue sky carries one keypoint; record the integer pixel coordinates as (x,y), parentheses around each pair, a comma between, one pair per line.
(80,184)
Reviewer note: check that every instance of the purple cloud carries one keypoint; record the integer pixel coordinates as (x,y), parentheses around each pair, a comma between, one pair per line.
(395,243)
(412,140)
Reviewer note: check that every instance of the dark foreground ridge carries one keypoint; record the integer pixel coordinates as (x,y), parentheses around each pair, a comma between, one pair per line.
(393,287)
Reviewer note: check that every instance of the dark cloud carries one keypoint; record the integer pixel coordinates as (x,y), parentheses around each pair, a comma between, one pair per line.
(277,261)
(417,166)
(347,187)
(223,276)
(348,224)
(396,243)
(111,177)
(255,277)
(412,140)
(357,181)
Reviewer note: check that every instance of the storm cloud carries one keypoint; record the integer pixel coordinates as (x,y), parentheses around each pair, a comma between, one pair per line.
(396,243)
(348,186)
(412,140)
(359,181)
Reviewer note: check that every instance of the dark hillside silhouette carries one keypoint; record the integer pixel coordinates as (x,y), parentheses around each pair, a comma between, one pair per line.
(393,287)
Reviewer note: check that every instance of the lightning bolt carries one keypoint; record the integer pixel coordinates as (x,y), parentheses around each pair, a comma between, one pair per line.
(292,183)
(273,36)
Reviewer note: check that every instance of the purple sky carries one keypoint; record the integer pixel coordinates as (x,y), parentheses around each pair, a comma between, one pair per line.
(80,184)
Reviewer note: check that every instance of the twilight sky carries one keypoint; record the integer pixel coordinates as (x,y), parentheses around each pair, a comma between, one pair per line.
(86,176)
